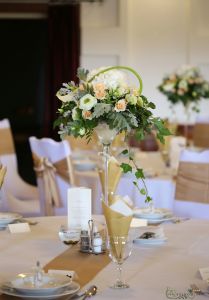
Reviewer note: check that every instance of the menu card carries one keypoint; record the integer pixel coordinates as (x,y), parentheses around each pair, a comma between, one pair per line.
(79,207)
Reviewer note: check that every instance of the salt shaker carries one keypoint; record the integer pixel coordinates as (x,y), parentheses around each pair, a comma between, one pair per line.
(97,243)
(84,241)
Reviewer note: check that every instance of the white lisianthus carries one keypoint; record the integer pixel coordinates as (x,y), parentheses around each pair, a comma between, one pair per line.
(75,114)
(87,102)
(120,105)
(82,131)
(183,84)
(131,99)
(168,87)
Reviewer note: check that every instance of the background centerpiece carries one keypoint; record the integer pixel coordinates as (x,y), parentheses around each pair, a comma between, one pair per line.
(186,86)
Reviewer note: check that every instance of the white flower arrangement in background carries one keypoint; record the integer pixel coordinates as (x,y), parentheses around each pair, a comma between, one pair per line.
(186,86)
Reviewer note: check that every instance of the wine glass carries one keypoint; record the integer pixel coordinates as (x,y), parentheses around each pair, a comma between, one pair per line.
(120,248)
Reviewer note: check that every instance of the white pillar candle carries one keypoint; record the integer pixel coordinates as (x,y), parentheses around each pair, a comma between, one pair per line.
(79,207)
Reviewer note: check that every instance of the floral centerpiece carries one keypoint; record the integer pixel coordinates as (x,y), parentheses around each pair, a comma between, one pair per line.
(103,96)
(186,86)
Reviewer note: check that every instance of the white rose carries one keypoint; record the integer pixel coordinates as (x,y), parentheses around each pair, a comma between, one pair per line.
(87,102)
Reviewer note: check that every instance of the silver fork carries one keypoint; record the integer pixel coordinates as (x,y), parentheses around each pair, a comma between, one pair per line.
(198,291)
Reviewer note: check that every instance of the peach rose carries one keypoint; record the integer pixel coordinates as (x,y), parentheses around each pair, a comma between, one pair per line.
(120,105)
(99,90)
(86,114)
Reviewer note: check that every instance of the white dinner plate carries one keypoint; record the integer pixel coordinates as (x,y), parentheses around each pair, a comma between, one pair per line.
(7,217)
(158,213)
(151,241)
(50,283)
(84,166)
(72,289)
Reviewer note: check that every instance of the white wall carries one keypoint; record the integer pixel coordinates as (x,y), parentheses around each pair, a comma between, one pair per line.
(153,36)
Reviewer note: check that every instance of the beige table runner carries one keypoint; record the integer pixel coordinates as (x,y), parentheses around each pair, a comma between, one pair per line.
(85,265)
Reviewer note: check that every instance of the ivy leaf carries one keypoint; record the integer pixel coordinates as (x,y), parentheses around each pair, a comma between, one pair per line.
(100,109)
(148,199)
(126,168)
(151,105)
(124,152)
(142,191)
(82,74)
(139,174)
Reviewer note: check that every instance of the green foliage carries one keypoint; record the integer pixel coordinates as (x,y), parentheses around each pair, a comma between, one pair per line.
(82,74)
(126,168)
(101,109)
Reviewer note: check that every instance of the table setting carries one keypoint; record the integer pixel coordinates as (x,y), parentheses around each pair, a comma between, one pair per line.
(126,253)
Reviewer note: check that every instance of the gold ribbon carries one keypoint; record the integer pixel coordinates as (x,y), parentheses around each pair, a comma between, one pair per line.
(6,141)
(48,170)
(193,182)
(201,135)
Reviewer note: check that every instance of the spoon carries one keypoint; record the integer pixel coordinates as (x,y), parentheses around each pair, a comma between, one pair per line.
(91,291)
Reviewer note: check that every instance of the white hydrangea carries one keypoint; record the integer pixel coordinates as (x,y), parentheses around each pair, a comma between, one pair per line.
(111,79)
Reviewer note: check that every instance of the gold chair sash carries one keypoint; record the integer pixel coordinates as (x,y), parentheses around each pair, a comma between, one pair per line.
(47,170)
(201,135)
(193,182)
(6,141)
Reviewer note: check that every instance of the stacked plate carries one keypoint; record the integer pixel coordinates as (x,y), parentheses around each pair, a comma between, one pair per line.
(84,165)
(50,286)
(155,216)
(7,218)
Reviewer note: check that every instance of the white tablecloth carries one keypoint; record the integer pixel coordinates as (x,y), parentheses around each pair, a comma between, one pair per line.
(149,270)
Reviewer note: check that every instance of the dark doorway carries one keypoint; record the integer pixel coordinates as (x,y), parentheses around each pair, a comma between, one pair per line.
(23,59)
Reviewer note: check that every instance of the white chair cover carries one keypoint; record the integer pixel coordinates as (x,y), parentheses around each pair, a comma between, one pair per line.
(14,185)
(187,208)
(177,144)
(52,187)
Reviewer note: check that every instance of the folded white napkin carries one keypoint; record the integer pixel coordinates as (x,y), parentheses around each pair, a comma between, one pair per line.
(121,207)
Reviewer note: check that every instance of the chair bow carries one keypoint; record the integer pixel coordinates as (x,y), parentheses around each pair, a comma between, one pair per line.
(47,170)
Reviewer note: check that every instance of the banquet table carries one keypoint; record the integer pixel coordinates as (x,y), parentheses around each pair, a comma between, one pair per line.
(150,270)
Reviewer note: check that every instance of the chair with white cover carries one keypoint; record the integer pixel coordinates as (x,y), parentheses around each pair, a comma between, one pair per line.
(201,132)
(18,195)
(52,164)
(192,186)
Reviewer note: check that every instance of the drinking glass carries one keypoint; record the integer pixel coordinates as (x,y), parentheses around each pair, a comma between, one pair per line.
(120,248)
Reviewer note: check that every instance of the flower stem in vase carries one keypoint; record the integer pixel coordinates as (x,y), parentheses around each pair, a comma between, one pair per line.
(105,136)
(106,157)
